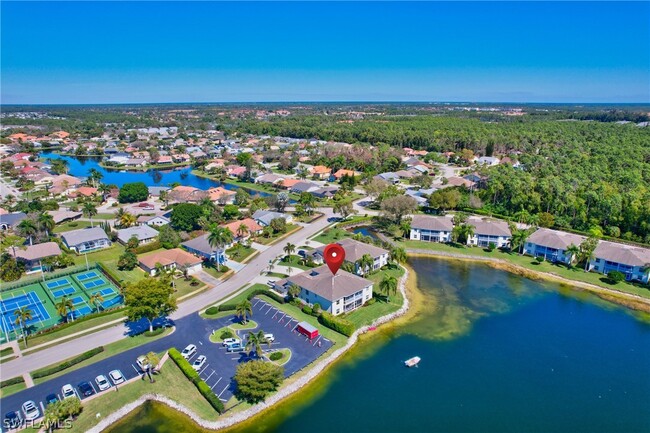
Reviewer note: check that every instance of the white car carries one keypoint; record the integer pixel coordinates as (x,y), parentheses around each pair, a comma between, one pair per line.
(116,376)
(189,351)
(31,411)
(67,391)
(199,363)
(102,382)
(142,362)
(229,341)
(269,337)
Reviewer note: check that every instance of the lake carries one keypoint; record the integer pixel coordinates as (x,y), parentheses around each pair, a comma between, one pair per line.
(79,166)
(500,353)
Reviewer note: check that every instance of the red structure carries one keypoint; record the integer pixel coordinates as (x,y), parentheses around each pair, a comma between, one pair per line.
(307,330)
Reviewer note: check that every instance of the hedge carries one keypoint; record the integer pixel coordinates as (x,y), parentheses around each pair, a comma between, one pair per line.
(193,376)
(12,381)
(211,311)
(61,326)
(67,364)
(270,294)
(275,356)
(148,247)
(155,332)
(227,307)
(342,326)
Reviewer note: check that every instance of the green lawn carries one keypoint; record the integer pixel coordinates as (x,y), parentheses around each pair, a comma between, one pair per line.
(71,225)
(331,235)
(528,262)
(109,350)
(73,328)
(212,270)
(184,287)
(6,352)
(171,383)
(239,252)
(104,216)
(276,275)
(250,324)
(12,389)
(369,313)
(293,261)
(291,228)
(286,356)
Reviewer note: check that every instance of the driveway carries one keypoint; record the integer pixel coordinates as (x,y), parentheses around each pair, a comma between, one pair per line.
(220,365)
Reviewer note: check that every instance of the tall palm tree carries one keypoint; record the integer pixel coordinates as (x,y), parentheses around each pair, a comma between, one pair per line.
(94,176)
(164,197)
(388,285)
(21,316)
(463,232)
(294,290)
(27,228)
(219,237)
(519,238)
(254,343)
(64,307)
(118,215)
(127,220)
(242,230)
(96,299)
(89,210)
(405,227)
(244,310)
(572,251)
(289,248)
(46,221)
(398,254)
(366,263)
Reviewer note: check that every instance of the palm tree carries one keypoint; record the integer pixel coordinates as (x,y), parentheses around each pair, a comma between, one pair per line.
(64,307)
(463,232)
(27,228)
(127,219)
(254,343)
(119,213)
(219,237)
(59,166)
(89,210)
(572,251)
(46,221)
(244,310)
(164,197)
(96,299)
(387,285)
(519,238)
(405,227)
(21,316)
(242,230)
(94,176)
(294,290)
(366,263)
(398,254)
(289,248)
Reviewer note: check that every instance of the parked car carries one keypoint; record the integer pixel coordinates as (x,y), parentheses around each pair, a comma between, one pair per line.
(269,337)
(302,253)
(67,391)
(51,399)
(142,362)
(233,348)
(189,351)
(86,389)
(102,382)
(12,420)
(199,363)
(271,283)
(229,341)
(30,410)
(116,376)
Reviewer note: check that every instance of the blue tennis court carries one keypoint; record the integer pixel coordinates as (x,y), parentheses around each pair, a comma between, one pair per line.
(94,283)
(104,292)
(63,292)
(87,275)
(58,283)
(29,300)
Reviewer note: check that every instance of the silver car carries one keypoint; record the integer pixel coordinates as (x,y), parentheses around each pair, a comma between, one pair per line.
(116,376)
(31,411)
(102,382)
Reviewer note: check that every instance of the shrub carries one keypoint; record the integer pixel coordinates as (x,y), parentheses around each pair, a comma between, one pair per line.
(268,293)
(194,377)
(257,379)
(211,311)
(342,326)
(275,356)
(539,259)
(227,333)
(67,364)
(227,307)
(12,381)
(491,246)
(307,309)
(73,224)
(152,246)
(155,332)
(616,277)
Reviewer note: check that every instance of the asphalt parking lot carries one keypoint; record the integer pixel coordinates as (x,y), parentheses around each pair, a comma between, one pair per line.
(220,365)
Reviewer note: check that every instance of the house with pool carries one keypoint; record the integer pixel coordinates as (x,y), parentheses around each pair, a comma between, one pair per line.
(86,240)
(336,294)
(32,255)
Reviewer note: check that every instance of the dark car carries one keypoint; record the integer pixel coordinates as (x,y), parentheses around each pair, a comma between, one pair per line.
(12,420)
(51,399)
(86,389)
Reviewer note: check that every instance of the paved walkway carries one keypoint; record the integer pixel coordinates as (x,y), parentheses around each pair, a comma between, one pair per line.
(221,290)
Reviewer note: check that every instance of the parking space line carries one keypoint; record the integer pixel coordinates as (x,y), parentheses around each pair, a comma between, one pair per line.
(136,370)
(224,390)
(203,369)
(93,387)
(42,407)
(257,301)
(235,358)
(216,383)
(326,339)
(269,310)
(316,341)
(280,320)
(208,378)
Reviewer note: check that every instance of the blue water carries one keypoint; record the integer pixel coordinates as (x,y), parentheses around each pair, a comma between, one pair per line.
(500,353)
(365,231)
(79,166)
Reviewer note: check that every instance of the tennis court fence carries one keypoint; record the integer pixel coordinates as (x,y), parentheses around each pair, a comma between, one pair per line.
(48,276)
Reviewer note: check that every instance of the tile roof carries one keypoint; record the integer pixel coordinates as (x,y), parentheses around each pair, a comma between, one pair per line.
(38,251)
(486,226)
(168,257)
(354,250)
(248,222)
(326,285)
(555,239)
(620,253)
(442,224)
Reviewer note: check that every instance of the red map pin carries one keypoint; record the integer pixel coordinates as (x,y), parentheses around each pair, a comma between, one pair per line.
(334,255)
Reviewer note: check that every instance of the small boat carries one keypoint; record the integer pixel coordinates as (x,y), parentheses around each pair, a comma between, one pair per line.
(413,362)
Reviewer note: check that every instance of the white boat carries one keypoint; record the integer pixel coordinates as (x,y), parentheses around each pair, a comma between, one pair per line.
(413,362)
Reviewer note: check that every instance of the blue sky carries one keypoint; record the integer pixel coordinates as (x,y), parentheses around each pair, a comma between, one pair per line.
(118,52)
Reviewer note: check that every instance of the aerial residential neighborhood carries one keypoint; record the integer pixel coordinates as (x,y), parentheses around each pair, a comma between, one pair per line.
(324,216)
